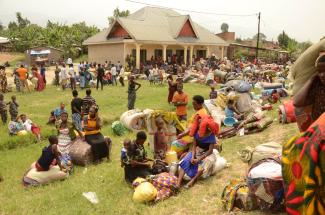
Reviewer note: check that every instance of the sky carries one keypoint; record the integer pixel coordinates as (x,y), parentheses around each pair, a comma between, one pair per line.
(300,19)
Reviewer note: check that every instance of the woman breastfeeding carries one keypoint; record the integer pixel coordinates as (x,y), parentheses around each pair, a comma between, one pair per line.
(92,125)
(66,133)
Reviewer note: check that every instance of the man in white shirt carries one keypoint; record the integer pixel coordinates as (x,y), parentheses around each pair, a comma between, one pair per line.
(72,77)
(121,76)
(114,74)
(69,61)
(63,77)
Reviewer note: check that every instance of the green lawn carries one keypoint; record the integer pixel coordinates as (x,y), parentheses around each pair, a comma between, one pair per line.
(106,179)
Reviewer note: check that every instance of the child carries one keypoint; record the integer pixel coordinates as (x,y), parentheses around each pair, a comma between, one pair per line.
(3,109)
(30,126)
(13,108)
(50,155)
(160,140)
(275,97)
(180,100)
(213,93)
(124,151)
(231,110)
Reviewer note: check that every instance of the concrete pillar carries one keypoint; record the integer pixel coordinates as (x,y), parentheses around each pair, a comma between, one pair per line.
(124,54)
(208,51)
(164,53)
(185,55)
(222,50)
(137,56)
(191,55)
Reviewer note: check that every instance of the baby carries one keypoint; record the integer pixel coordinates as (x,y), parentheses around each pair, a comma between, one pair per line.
(126,146)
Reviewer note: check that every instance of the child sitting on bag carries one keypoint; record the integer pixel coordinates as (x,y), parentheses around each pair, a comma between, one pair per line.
(124,151)
(50,155)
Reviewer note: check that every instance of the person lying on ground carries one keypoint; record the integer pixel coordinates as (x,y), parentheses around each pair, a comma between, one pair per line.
(50,155)
(136,164)
(30,126)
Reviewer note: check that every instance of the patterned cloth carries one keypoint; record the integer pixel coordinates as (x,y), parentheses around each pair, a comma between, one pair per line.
(165,185)
(303,169)
(76,119)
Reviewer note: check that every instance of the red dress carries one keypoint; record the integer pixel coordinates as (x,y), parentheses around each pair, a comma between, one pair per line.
(40,83)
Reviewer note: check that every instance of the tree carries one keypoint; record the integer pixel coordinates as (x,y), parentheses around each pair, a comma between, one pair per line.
(224,27)
(238,40)
(283,40)
(118,13)
(262,37)
(21,21)
(1,26)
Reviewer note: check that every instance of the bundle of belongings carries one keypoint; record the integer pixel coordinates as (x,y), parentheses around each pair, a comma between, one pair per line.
(263,188)
(287,112)
(155,188)
(33,177)
(81,153)
(137,120)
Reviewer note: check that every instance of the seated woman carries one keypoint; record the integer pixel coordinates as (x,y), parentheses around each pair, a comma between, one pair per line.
(91,125)
(231,110)
(30,126)
(66,133)
(46,169)
(196,162)
(312,94)
(136,163)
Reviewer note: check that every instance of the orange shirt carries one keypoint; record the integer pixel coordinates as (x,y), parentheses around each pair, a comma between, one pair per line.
(22,72)
(180,110)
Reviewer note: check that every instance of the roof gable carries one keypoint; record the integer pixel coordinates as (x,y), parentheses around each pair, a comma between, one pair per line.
(187,30)
(117,31)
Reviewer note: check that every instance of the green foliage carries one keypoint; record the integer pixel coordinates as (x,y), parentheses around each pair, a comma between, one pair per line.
(261,38)
(239,40)
(224,27)
(118,13)
(24,35)
(283,40)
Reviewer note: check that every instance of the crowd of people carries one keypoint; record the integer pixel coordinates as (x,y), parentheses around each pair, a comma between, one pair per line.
(202,129)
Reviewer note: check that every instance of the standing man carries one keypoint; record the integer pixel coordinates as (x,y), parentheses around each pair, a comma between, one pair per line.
(121,77)
(114,74)
(69,61)
(118,67)
(72,77)
(133,88)
(87,102)
(76,105)
(23,75)
(100,76)
(180,100)
(63,77)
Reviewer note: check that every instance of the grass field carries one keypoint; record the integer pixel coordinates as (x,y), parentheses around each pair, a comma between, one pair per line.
(106,179)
